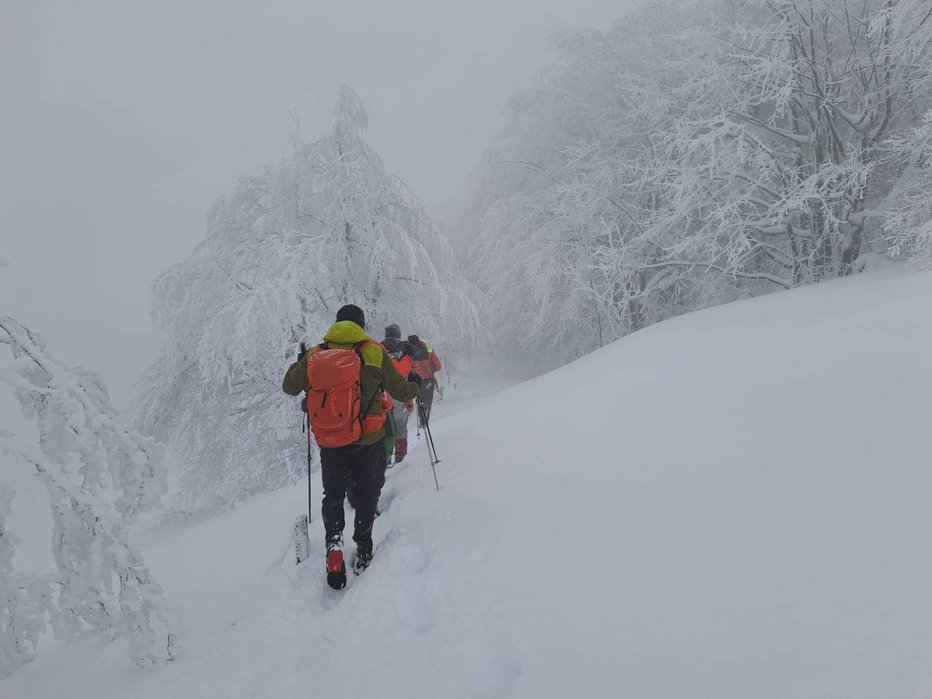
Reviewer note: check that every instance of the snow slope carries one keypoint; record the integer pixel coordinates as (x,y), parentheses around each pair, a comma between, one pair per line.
(735,503)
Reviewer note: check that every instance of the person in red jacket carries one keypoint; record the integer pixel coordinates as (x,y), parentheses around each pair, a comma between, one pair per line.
(426,366)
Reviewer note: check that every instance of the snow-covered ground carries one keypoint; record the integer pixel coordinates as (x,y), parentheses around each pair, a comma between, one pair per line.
(735,503)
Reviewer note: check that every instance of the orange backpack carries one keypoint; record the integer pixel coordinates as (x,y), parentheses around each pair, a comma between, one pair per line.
(334,396)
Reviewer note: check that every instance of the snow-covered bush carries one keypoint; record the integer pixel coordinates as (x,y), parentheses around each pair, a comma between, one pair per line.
(324,227)
(100,476)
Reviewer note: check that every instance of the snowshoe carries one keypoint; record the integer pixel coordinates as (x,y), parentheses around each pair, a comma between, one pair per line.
(302,544)
(336,566)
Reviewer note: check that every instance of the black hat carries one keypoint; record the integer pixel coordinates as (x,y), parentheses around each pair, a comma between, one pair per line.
(352,313)
(392,331)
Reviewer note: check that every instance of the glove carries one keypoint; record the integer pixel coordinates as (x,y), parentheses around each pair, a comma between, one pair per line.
(414,378)
(302,350)
(303,400)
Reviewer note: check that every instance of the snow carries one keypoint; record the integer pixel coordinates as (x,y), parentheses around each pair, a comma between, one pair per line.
(733,503)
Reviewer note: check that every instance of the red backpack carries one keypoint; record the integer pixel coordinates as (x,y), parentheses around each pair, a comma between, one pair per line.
(334,396)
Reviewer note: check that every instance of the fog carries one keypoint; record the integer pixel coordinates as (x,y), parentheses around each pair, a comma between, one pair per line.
(121,123)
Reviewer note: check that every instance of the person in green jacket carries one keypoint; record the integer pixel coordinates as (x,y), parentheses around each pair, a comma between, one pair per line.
(360,463)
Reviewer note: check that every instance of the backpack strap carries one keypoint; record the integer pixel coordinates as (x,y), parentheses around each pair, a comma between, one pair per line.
(358,348)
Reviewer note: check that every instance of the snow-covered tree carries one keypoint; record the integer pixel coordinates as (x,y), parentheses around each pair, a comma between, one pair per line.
(689,157)
(572,184)
(779,153)
(100,476)
(324,227)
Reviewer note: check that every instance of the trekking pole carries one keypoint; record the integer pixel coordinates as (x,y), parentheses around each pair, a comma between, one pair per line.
(302,543)
(422,415)
(431,449)
(430,436)
(307,428)
(310,505)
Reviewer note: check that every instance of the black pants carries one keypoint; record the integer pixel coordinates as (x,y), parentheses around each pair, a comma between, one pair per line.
(363,469)
(350,488)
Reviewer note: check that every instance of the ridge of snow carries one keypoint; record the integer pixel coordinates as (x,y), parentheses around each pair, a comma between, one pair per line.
(732,503)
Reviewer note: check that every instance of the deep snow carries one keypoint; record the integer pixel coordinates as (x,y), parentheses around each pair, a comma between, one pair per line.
(735,503)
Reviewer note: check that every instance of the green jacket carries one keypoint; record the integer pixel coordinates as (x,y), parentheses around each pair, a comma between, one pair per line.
(378,372)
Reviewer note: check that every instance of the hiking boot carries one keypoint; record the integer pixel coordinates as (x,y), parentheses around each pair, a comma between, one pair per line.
(401,449)
(363,559)
(336,566)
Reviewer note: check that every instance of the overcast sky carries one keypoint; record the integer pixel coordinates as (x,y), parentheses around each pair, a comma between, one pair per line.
(121,121)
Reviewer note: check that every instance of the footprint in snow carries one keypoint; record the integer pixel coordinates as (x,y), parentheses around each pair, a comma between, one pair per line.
(415,557)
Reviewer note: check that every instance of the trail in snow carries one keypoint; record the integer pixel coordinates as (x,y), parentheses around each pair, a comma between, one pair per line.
(731,504)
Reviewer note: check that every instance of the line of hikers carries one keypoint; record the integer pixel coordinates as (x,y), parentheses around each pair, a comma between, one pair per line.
(360,393)
(411,355)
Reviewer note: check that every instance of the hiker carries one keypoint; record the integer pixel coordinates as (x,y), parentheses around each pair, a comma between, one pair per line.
(347,414)
(426,365)
(400,353)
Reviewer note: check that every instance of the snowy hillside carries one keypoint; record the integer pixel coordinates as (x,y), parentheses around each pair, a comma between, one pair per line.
(734,503)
